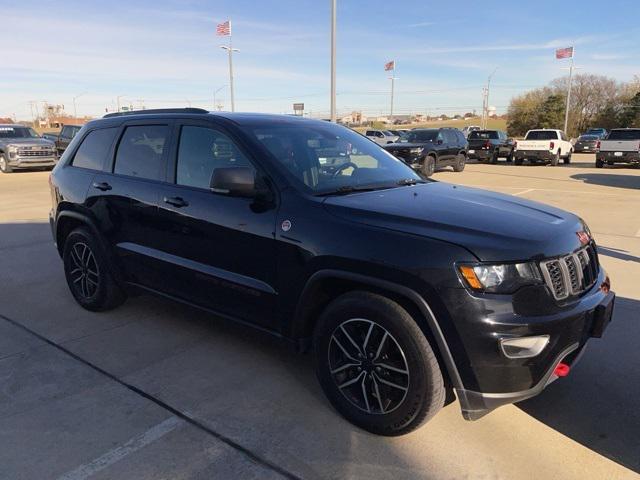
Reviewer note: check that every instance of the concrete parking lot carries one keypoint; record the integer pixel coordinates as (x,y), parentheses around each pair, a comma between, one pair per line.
(158,390)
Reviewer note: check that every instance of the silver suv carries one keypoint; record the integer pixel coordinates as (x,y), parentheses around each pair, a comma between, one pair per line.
(381,137)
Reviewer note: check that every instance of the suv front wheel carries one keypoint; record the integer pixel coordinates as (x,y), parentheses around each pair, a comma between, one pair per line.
(375,365)
(4,164)
(87,273)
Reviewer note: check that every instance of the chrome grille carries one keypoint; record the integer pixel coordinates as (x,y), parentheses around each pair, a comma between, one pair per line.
(23,152)
(571,274)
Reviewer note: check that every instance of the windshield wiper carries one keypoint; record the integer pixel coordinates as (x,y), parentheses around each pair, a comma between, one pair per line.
(346,189)
(409,181)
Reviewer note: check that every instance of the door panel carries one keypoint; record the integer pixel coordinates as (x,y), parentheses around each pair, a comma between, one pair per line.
(219,250)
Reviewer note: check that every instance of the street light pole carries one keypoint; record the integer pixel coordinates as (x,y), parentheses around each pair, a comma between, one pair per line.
(333,59)
(230,51)
(485,108)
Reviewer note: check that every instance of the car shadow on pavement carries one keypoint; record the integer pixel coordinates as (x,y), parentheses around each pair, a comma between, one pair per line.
(609,180)
(617,253)
(597,404)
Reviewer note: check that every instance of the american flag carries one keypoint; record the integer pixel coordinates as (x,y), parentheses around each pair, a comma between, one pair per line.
(224,29)
(390,65)
(564,52)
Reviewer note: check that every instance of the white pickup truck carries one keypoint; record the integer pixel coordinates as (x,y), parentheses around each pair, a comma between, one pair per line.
(543,145)
(622,145)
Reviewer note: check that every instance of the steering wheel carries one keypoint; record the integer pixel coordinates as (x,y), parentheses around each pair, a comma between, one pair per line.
(344,166)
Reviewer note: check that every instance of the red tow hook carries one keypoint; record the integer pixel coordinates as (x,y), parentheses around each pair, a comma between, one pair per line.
(562,370)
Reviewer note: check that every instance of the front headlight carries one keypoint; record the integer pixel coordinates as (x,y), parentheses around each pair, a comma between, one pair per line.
(415,151)
(499,278)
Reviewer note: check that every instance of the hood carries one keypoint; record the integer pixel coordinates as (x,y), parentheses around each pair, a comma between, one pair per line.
(403,145)
(493,226)
(26,141)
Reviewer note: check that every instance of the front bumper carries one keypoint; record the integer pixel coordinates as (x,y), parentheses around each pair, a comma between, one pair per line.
(624,157)
(536,155)
(18,162)
(489,378)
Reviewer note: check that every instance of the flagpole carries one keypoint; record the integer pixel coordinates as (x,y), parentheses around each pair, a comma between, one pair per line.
(393,77)
(233,103)
(566,113)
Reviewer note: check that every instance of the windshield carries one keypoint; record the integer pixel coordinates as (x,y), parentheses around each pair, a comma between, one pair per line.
(387,133)
(595,131)
(542,135)
(631,134)
(325,158)
(18,132)
(420,136)
(485,135)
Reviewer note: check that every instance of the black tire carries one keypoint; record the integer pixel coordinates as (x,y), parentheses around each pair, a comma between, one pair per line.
(555,160)
(518,161)
(87,272)
(567,159)
(415,397)
(599,163)
(428,166)
(510,157)
(4,164)
(494,157)
(459,163)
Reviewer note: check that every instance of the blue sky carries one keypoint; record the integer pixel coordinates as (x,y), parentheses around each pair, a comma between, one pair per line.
(165,52)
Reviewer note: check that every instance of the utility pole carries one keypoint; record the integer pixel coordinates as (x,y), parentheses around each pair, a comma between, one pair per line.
(333,60)
(566,113)
(485,103)
(393,78)
(230,51)
(75,112)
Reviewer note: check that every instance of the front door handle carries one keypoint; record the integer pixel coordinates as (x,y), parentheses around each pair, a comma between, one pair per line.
(104,186)
(176,201)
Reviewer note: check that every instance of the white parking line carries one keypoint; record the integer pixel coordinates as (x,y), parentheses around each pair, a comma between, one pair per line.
(118,453)
(524,191)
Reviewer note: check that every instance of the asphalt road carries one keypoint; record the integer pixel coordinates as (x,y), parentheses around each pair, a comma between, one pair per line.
(159,390)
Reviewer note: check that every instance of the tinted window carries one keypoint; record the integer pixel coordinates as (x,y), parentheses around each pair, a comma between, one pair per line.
(140,152)
(201,151)
(542,135)
(632,134)
(94,149)
(421,136)
(483,134)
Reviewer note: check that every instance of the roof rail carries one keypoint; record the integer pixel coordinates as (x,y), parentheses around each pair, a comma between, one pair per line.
(157,110)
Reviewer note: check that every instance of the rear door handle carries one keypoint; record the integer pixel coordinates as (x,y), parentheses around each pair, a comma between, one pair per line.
(176,201)
(104,186)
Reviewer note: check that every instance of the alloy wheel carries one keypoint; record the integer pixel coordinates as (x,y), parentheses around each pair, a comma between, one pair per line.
(368,366)
(84,273)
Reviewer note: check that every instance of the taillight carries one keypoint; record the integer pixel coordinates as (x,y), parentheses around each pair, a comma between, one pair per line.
(487,144)
(515,145)
(551,145)
(598,145)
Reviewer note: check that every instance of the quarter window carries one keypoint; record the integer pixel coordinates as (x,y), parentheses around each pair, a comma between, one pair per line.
(140,152)
(201,151)
(94,149)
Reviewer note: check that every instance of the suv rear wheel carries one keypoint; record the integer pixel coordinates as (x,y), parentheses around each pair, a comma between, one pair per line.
(87,272)
(4,164)
(375,365)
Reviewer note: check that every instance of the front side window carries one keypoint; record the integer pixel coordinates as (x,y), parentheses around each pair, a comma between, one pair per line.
(201,150)
(94,149)
(140,152)
(325,158)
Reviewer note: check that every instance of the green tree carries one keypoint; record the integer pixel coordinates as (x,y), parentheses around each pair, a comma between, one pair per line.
(551,112)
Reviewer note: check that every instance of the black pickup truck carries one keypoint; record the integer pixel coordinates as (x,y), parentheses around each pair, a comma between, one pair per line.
(65,136)
(490,145)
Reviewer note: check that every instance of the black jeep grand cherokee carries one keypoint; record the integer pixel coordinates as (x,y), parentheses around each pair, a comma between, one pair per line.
(406,290)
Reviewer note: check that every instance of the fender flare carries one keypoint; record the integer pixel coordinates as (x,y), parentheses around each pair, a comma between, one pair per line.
(402,290)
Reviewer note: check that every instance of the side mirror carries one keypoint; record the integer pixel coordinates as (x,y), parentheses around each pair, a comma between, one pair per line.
(234,181)
(439,141)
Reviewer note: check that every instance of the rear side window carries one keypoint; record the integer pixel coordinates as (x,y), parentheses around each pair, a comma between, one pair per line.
(94,149)
(141,152)
(201,151)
